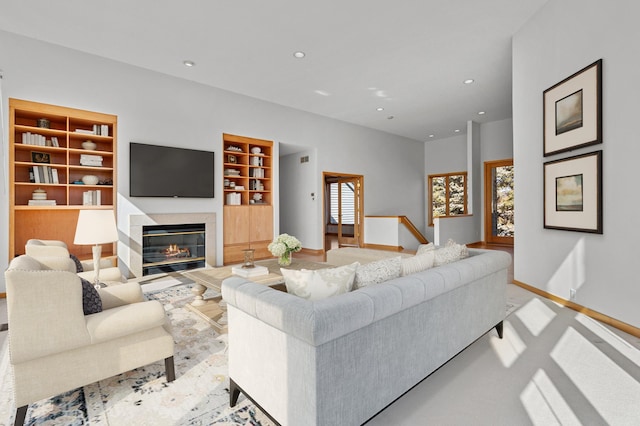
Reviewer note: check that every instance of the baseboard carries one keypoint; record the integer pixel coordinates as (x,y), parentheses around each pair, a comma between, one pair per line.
(313,252)
(383,247)
(623,326)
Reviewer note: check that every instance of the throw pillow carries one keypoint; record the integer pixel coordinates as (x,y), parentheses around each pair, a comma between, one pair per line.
(423,248)
(417,263)
(320,283)
(79,267)
(91,302)
(378,271)
(451,252)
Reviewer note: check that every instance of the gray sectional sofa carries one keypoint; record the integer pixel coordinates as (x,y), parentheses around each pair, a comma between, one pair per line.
(341,360)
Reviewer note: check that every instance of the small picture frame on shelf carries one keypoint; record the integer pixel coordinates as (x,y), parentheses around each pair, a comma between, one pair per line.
(231,159)
(40,157)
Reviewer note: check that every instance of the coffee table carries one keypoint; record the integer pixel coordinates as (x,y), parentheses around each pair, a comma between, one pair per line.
(214,309)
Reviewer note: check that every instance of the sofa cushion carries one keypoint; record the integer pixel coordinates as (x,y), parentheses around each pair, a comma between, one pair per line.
(321,283)
(423,248)
(377,272)
(91,301)
(417,263)
(451,252)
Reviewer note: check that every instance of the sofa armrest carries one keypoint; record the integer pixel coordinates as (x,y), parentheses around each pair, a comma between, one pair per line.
(124,320)
(120,294)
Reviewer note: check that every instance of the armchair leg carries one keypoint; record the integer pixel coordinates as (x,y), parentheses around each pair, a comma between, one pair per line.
(170,371)
(234,393)
(21,414)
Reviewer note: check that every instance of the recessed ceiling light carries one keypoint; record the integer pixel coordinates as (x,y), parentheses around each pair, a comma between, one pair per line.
(457,130)
(188,63)
(432,136)
(391,117)
(379,109)
(468,81)
(481,113)
(299,54)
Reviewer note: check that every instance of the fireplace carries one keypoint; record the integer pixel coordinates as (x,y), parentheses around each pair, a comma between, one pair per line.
(173,247)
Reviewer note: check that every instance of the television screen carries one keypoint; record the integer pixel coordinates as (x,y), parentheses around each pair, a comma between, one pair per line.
(164,171)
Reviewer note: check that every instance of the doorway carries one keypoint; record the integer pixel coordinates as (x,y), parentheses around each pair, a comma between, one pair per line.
(499,223)
(343,210)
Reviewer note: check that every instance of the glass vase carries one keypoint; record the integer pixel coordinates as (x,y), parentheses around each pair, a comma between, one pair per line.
(285,259)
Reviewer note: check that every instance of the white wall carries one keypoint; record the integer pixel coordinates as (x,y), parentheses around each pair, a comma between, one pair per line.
(156,108)
(562,38)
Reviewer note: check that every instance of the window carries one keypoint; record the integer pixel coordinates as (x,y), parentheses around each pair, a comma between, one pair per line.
(448,195)
(348,202)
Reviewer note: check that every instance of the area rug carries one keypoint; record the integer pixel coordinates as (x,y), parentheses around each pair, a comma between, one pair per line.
(198,396)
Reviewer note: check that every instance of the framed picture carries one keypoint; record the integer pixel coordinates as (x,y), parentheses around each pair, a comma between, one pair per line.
(573,111)
(231,159)
(40,157)
(573,193)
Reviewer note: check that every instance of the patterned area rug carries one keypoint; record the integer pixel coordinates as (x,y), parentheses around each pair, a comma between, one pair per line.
(198,396)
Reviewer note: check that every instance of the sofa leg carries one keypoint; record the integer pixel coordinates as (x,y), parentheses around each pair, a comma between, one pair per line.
(21,414)
(169,368)
(234,393)
(499,329)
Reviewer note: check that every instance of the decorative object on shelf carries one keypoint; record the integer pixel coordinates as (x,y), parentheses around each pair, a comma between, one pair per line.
(96,227)
(89,145)
(233,148)
(40,157)
(283,246)
(256,150)
(248,258)
(43,122)
(573,193)
(231,159)
(39,194)
(90,179)
(573,111)
(257,197)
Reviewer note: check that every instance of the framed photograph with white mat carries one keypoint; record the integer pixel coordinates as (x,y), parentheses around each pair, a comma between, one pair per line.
(573,193)
(572,116)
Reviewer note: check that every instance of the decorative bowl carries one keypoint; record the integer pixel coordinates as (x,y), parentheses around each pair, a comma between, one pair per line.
(90,179)
(90,145)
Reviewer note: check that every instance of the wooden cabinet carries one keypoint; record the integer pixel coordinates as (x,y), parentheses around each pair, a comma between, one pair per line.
(248,212)
(48,151)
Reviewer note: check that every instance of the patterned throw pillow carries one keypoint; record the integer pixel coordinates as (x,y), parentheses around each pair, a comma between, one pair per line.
(320,283)
(450,253)
(378,271)
(417,263)
(91,302)
(423,248)
(79,267)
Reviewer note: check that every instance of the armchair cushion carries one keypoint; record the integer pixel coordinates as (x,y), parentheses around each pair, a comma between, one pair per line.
(91,302)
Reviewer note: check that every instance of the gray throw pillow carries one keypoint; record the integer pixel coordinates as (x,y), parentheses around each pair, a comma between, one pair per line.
(91,302)
(79,267)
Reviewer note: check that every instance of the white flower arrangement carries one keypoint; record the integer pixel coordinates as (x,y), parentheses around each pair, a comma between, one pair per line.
(283,244)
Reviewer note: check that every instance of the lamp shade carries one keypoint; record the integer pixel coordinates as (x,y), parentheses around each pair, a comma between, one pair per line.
(96,227)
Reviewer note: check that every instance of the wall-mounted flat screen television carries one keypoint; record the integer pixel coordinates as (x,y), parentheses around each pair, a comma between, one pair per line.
(164,171)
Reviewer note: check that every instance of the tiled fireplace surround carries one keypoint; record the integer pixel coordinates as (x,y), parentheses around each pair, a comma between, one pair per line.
(136,222)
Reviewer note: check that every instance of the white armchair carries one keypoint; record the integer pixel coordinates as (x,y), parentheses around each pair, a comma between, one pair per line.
(55,255)
(54,347)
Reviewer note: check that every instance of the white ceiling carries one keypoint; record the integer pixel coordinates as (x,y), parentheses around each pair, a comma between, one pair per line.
(408,56)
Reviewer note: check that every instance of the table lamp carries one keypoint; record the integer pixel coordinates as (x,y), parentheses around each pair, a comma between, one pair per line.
(96,227)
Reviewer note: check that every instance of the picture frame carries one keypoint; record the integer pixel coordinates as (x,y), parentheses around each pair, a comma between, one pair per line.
(40,157)
(231,159)
(572,111)
(573,193)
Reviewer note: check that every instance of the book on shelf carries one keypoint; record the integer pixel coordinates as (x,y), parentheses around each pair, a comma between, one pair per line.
(91,160)
(42,202)
(54,175)
(92,198)
(54,141)
(96,129)
(29,138)
(234,199)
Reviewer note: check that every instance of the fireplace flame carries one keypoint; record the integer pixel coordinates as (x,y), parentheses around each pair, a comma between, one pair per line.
(173,251)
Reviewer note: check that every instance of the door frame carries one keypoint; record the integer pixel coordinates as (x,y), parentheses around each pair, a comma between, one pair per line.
(358,227)
(488,201)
